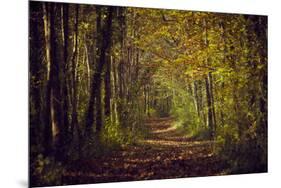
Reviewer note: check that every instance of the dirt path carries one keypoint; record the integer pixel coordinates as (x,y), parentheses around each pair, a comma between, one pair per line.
(165,153)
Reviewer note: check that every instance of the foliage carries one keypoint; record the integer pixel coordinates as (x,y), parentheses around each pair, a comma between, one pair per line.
(46,171)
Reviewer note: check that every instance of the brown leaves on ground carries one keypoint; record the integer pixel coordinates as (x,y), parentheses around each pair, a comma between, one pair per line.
(165,153)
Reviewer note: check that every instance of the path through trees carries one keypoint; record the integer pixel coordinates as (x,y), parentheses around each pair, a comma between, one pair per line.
(164,153)
(160,91)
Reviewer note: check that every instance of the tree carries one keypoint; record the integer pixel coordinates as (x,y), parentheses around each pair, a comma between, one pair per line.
(96,84)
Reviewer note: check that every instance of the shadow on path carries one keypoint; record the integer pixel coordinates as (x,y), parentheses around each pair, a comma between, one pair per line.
(165,153)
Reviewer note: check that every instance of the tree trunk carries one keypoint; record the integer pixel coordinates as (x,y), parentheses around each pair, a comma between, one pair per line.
(96,87)
(209,93)
(196,98)
(88,68)
(63,138)
(107,83)
(37,71)
(105,46)
(121,70)
(145,98)
(55,95)
(90,115)
(48,141)
(212,100)
(76,132)
(114,91)
(210,122)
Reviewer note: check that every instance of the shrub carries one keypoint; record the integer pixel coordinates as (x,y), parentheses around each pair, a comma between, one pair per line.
(46,171)
(244,154)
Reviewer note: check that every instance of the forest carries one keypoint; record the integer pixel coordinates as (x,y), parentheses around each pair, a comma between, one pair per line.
(124,93)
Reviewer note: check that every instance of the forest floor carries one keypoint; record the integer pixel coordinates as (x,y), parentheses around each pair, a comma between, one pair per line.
(164,153)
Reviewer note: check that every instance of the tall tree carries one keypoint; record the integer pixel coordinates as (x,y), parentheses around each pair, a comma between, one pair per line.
(65,102)
(96,84)
(36,91)
(55,73)
(47,105)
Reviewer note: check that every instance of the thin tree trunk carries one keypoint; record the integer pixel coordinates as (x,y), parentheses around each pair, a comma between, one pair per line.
(55,95)
(114,90)
(90,115)
(105,46)
(145,99)
(210,112)
(210,123)
(107,83)
(196,99)
(88,68)
(212,100)
(47,36)
(76,132)
(47,107)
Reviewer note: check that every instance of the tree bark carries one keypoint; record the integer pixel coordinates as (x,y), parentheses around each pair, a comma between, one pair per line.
(196,98)
(90,115)
(212,100)
(209,87)
(48,141)
(37,72)
(96,86)
(210,122)
(107,83)
(55,95)
(76,130)
(63,142)
(105,46)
